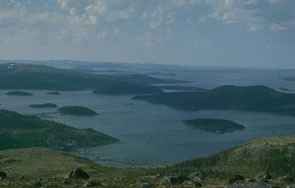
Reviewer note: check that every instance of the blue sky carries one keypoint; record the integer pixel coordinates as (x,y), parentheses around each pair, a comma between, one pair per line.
(248,33)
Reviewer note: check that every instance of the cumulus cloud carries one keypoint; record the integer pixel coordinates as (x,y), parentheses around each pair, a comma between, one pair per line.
(151,21)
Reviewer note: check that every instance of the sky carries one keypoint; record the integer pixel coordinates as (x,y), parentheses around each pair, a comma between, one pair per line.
(240,33)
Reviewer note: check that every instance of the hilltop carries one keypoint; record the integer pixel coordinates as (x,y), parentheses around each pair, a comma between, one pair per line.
(246,98)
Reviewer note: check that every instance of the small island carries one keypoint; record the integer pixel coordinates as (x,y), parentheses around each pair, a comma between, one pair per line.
(53,93)
(19,93)
(214,125)
(46,105)
(76,111)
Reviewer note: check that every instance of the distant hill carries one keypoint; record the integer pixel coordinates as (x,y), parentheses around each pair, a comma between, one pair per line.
(247,98)
(22,131)
(125,88)
(26,76)
(19,93)
(45,105)
(76,111)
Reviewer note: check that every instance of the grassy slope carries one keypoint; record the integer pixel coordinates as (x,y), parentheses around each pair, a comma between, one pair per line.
(273,154)
(19,131)
(248,98)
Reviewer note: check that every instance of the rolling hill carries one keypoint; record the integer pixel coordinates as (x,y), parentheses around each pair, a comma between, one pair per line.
(245,98)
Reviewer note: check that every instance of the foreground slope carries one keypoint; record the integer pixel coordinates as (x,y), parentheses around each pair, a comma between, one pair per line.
(271,158)
(20,131)
(248,98)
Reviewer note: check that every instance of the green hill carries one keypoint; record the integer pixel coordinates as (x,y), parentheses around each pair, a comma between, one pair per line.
(19,93)
(76,111)
(274,155)
(21,131)
(214,125)
(247,98)
(46,105)
(26,76)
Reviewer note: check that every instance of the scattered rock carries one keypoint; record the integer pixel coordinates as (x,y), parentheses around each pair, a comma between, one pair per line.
(165,181)
(251,185)
(92,184)
(263,177)
(77,173)
(3,175)
(197,176)
(236,178)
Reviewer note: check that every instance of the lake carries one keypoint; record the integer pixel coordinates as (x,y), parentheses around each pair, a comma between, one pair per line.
(154,134)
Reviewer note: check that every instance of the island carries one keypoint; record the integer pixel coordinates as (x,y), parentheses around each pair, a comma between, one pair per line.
(22,131)
(76,111)
(126,88)
(46,105)
(243,98)
(19,93)
(214,125)
(53,93)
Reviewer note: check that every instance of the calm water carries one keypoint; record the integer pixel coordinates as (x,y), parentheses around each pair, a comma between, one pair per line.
(154,134)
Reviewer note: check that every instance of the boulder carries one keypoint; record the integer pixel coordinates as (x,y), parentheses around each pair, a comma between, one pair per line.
(77,173)
(236,178)
(197,176)
(3,175)
(263,177)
